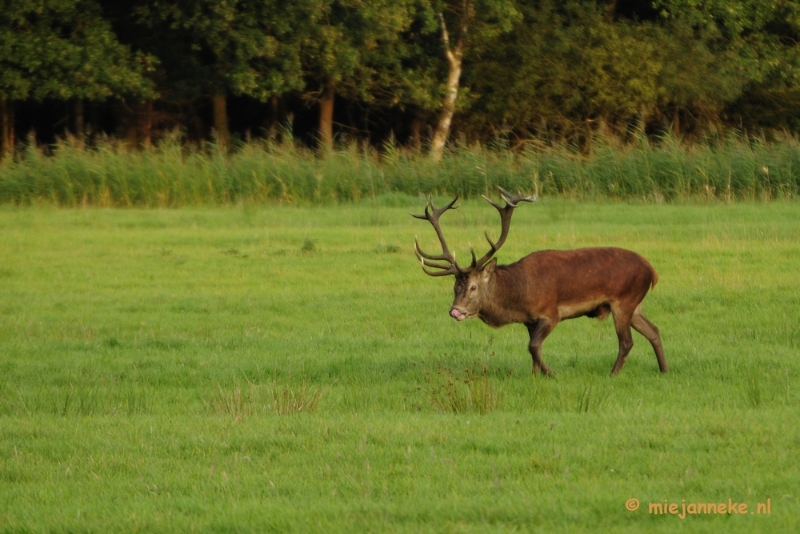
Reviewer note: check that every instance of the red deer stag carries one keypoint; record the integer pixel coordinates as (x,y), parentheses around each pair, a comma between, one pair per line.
(547,286)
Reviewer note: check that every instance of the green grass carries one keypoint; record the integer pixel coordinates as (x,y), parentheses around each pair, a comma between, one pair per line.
(292,369)
(173,174)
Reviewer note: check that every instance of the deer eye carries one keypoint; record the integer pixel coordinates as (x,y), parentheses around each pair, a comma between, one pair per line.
(473,287)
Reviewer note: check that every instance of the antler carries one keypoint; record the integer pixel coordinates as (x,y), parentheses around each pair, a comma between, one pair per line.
(432,215)
(505,223)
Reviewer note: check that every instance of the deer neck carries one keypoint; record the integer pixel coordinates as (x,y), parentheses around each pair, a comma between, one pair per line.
(503,306)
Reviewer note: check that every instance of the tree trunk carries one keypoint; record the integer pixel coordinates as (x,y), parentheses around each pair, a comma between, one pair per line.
(12,138)
(448,109)
(146,123)
(6,128)
(326,118)
(454,58)
(416,132)
(611,11)
(126,118)
(676,121)
(94,120)
(3,127)
(78,119)
(221,120)
(273,123)
(642,127)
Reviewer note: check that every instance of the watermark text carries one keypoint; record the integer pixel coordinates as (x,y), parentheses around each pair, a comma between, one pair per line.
(683,508)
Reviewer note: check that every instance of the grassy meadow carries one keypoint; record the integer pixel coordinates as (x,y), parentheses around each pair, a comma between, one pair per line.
(268,368)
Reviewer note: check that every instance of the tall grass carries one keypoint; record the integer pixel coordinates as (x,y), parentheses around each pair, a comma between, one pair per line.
(255,399)
(173,174)
(453,392)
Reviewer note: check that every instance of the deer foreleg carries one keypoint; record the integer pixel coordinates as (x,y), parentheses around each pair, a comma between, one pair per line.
(538,332)
(622,323)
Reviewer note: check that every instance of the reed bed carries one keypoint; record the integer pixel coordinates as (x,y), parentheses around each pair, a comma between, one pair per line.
(174,174)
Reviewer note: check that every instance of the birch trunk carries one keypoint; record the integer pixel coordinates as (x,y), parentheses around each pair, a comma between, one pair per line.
(454,58)
(442,130)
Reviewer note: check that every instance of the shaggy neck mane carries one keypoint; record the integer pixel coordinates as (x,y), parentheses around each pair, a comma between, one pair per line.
(505,306)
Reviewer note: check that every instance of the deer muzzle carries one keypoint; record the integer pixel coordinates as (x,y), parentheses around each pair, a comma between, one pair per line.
(457,314)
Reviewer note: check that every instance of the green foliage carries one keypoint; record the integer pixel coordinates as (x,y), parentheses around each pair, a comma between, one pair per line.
(565,71)
(147,373)
(577,71)
(226,47)
(344,41)
(751,42)
(271,48)
(433,85)
(66,49)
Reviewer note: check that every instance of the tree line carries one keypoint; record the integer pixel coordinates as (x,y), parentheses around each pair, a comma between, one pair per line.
(409,72)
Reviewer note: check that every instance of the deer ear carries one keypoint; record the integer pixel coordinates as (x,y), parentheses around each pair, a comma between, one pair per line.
(488,269)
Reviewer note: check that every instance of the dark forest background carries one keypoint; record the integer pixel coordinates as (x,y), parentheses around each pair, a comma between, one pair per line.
(378,71)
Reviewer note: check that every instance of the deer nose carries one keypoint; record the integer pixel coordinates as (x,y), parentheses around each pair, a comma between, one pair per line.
(457,315)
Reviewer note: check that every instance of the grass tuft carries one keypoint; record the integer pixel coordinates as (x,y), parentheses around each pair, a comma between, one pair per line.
(85,397)
(239,401)
(308,246)
(468,392)
(287,401)
(387,249)
(591,399)
(753,391)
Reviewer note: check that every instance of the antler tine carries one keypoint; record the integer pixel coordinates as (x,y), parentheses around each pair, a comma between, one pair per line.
(426,215)
(446,256)
(435,212)
(432,214)
(493,203)
(505,222)
(445,269)
(513,199)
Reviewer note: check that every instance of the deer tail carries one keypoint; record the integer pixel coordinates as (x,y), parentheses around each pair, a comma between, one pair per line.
(654,276)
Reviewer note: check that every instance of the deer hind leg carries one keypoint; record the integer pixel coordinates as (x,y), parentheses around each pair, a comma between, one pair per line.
(538,332)
(642,325)
(622,324)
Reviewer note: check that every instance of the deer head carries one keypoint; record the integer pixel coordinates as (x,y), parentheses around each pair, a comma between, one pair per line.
(474,283)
